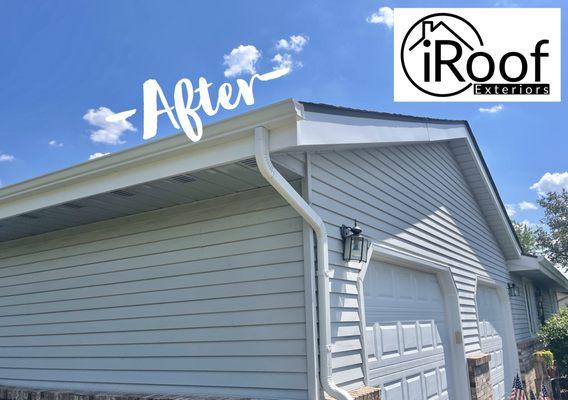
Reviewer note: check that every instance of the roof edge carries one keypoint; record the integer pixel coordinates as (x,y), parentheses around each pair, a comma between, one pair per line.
(216,131)
(354,112)
(494,188)
(548,266)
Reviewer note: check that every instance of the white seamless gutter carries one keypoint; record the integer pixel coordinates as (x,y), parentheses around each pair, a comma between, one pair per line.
(282,186)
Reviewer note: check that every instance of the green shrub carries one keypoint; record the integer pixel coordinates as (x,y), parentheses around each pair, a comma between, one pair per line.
(547,357)
(554,334)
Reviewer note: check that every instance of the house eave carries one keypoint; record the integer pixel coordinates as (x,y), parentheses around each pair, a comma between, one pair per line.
(541,270)
(293,126)
(224,142)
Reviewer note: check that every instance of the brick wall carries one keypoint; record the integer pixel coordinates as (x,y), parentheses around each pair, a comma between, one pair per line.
(479,376)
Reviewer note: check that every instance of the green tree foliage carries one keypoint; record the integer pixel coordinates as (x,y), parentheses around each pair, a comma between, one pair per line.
(527,236)
(553,241)
(554,334)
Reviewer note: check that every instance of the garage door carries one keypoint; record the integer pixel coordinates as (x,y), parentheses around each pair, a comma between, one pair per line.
(406,334)
(491,332)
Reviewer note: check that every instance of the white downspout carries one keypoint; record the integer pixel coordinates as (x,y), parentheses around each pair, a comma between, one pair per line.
(282,186)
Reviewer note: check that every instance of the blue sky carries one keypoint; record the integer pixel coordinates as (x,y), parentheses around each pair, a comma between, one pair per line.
(63,58)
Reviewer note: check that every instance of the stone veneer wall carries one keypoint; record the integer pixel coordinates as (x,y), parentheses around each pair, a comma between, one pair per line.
(479,376)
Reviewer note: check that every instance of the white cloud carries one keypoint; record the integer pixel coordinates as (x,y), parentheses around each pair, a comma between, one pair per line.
(97,155)
(295,43)
(551,182)
(510,208)
(285,62)
(241,60)
(55,143)
(108,132)
(492,110)
(6,157)
(384,16)
(527,205)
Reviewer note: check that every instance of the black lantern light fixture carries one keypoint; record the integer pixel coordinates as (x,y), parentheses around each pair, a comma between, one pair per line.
(513,290)
(355,245)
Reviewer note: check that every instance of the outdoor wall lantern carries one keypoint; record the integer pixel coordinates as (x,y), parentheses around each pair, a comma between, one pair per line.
(355,245)
(513,290)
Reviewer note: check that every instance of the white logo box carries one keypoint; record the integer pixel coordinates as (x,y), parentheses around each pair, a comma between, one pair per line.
(460,46)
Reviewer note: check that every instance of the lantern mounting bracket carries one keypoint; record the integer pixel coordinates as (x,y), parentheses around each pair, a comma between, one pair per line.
(350,230)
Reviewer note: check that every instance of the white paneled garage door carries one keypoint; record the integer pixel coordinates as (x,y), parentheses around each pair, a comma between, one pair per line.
(406,334)
(491,332)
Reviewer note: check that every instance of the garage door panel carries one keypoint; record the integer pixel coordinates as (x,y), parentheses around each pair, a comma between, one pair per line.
(397,286)
(392,390)
(406,339)
(384,371)
(499,390)
(414,387)
(423,385)
(401,338)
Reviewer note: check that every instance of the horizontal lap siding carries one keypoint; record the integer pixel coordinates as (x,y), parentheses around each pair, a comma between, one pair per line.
(519,311)
(204,298)
(411,197)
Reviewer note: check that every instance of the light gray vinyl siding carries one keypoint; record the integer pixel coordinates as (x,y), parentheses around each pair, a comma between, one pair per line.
(519,310)
(412,197)
(522,326)
(200,298)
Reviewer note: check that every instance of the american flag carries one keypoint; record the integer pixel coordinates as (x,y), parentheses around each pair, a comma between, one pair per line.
(517,393)
(543,393)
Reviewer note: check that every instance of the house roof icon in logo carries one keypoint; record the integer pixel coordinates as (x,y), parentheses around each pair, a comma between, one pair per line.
(429,29)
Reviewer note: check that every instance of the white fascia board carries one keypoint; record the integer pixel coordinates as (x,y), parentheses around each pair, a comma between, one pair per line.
(223,142)
(504,218)
(319,129)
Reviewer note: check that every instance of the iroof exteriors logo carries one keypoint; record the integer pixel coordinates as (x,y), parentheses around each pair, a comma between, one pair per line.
(477,55)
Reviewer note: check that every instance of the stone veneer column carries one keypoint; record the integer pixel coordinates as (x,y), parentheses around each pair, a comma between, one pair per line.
(479,376)
(364,393)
